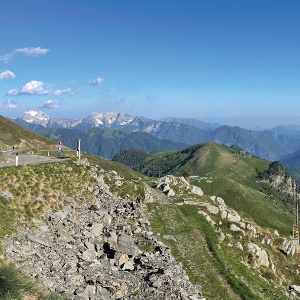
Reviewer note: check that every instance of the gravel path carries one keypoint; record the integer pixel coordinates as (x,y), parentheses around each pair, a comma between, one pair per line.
(26,159)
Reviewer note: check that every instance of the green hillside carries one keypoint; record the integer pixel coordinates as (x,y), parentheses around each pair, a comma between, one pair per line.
(12,134)
(108,142)
(228,173)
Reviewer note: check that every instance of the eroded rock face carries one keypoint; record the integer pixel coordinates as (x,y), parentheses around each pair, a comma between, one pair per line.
(93,251)
(288,247)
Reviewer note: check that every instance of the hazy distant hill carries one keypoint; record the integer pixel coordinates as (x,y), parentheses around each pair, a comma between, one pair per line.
(292,159)
(108,142)
(264,144)
(192,122)
(291,131)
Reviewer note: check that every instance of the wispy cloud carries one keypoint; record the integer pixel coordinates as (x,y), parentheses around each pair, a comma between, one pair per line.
(30,88)
(7,75)
(29,51)
(34,52)
(49,104)
(61,92)
(6,58)
(96,82)
(9,104)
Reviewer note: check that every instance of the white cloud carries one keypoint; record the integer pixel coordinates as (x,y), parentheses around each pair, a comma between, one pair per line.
(9,104)
(7,75)
(30,51)
(96,82)
(49,104)
(30,88)
(34,52)
(61,92)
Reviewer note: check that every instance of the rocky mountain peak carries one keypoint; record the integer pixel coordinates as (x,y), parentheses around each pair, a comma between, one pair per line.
(35,116)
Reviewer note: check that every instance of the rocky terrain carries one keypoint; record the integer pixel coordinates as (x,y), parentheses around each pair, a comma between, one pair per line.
(106,244)
(256,247)
(100,249)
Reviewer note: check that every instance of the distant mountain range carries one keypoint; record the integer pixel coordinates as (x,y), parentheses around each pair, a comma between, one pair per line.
(268,144)
(108,142)
(176,132)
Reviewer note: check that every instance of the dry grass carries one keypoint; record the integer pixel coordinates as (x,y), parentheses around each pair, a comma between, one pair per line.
(31,191)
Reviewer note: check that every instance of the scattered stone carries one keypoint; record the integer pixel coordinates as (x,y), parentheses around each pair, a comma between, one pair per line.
(89,249)
(169,237)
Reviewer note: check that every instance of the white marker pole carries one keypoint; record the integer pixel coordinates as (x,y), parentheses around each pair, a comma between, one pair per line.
(78,148)
(17,159)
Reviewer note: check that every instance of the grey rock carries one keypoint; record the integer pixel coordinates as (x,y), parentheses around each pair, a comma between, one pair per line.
(126,244)
(288,247)
(39,239)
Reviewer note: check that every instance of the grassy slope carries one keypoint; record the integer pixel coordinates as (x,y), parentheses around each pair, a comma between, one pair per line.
(53,183)
(216,267)
(230,176)
(12,134)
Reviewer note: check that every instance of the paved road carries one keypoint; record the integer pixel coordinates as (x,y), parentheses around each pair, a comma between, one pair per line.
(26,159)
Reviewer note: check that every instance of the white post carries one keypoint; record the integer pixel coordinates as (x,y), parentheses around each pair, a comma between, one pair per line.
(38,158)
(17,158)
(78,148)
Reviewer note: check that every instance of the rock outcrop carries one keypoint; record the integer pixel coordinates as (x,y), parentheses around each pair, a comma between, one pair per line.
(288,247)
(165,185)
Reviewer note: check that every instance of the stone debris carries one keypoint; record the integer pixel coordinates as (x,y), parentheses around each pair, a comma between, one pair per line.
(94,251)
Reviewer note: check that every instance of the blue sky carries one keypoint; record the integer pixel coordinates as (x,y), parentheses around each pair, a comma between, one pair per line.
(231,61)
